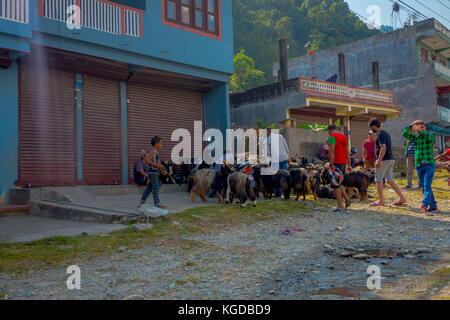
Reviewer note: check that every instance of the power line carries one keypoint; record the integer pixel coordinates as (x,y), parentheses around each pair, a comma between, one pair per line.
(443,4)
(414,10)
(356,13)
(410,11)
(432,10)
(407,9)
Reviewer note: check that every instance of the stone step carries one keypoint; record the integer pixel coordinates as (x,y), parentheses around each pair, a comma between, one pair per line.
(74,212)
(22,196)
(13,210)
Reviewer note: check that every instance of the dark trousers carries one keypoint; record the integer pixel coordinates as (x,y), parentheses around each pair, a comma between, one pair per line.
(153,186)
(283,165)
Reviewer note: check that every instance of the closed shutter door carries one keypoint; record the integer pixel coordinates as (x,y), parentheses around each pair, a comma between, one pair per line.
(47,152)
(359,133)
(101,131)
(155,111)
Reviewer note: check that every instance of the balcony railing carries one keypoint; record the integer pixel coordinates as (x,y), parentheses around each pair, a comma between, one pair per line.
(14,10)
(444,114)
(99,15)
(441,28)
(442,69)
(345,91)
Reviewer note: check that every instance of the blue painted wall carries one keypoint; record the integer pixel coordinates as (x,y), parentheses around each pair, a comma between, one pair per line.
(9,113)
(217,107)
(162,47)
(159,41)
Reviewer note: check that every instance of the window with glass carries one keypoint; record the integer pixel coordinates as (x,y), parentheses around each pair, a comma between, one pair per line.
(202,15)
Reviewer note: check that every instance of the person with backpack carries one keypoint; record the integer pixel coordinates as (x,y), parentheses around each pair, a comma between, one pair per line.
(155,169)
(141,170)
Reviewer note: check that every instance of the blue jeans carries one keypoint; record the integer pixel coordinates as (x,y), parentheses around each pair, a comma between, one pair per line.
(426,175)
(153,185)
(284,165)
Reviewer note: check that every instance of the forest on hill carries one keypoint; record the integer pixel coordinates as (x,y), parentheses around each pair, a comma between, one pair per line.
(258,24)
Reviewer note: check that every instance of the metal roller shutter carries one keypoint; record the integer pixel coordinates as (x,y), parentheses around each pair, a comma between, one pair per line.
(155,111)
(47,131)
(101,131)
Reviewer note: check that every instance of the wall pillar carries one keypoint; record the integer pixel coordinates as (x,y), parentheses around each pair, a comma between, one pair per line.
(79,97)
(9,129)
(217,107)
(124,127)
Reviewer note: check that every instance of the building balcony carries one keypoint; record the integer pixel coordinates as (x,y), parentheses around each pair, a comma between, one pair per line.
(439,27)
(444,114)
(348,93)
(15,10)
(348,101)
(442,71)
(303,94)
(101,15)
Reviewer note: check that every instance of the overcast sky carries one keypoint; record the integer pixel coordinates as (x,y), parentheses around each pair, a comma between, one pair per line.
(441,7)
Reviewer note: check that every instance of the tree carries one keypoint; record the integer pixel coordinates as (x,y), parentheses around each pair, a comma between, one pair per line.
(245,75)
(258,24)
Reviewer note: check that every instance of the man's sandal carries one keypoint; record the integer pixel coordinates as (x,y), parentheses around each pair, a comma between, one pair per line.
(377,204)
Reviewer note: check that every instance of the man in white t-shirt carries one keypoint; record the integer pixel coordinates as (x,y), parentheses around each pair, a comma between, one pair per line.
(281,154)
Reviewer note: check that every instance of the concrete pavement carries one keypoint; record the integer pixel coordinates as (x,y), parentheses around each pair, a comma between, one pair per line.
(29,228)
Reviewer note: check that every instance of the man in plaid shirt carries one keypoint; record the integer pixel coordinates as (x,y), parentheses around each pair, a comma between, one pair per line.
(425,165)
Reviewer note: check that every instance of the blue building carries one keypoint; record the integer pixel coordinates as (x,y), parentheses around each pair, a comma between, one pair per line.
(85,84)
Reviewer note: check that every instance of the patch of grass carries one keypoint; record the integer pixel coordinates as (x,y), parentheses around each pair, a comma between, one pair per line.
(444,271)
(112,268)
(17,258)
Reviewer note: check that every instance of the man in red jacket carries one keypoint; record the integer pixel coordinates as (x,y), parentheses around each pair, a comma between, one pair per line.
(340,159)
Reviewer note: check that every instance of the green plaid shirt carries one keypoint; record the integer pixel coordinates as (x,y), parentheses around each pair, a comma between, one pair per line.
(424,146)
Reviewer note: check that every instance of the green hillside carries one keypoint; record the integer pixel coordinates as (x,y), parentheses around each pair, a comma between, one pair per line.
(258,24)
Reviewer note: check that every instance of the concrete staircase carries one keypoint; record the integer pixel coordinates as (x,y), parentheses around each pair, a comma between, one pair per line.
(107,204)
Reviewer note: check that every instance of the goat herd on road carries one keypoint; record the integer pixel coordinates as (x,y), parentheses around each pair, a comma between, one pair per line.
(246,182)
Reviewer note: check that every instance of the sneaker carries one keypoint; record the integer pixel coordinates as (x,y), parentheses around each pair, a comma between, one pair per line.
(337,210)
(434,210)
(161,206)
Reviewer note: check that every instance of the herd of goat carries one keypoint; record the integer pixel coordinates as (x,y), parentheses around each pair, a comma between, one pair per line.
(246,182)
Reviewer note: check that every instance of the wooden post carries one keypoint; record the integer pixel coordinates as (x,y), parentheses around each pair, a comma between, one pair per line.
(341,59)
(375,76)
(282,43)
(349,133)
